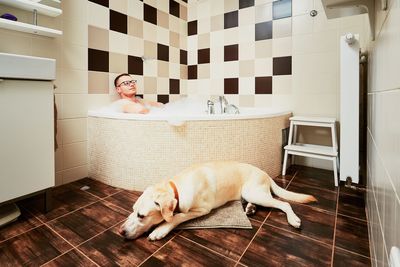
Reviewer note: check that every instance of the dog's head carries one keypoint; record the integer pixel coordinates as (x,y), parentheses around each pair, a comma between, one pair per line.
(156,204)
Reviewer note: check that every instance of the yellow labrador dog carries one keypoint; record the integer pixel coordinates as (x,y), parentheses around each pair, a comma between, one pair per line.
(197,190)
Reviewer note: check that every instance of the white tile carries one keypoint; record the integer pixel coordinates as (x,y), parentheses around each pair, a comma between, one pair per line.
(73,174)
(74,106)
(97,15)
(135,9)
(75,155)
(74,130)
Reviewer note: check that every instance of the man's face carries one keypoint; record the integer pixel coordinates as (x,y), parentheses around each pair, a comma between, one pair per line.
(126,86)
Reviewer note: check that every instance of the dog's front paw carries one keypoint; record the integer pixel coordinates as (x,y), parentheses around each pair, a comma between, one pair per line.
(250,209)
(294,221)
(159,233)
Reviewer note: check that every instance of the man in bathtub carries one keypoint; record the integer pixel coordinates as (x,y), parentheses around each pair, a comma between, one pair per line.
(129,102)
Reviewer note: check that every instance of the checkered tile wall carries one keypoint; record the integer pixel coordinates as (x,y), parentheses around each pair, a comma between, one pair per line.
(241,48)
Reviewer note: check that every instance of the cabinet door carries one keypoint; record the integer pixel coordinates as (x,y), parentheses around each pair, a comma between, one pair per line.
(26,137)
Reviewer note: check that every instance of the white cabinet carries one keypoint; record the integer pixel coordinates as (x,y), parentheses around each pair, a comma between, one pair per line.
(26,137)
(40,7)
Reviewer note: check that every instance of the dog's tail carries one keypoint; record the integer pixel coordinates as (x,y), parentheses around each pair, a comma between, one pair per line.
(288,195)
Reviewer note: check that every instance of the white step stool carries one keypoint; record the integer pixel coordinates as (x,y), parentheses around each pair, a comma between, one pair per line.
(309,150)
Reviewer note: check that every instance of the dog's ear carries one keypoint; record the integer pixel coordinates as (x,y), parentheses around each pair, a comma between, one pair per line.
(167,206)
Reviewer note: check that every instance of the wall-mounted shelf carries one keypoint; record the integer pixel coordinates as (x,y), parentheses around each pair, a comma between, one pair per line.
(36,7)
(32,5)
(28,28)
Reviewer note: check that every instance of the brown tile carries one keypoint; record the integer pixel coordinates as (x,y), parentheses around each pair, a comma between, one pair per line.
(352,206)
(85,223)
(263,85)
(315,223)
(111,249)
(162,52)
(192,27)
(231,19)
(183,57)
(346,258)
(326,199)
(124,199)
(245,3)
(275,247)
(203,56)
(182,252)
(216,239)
(100,2)
(192,72)
(150,14)
(65,198)
(96,188)
(359,192)
(283,180)
(174,8)
(71,258)
(263,30)
(32,248)
(97,60)
(118,22)
(231,85)
(282,65)
(316,177)
(135,65)
(261,213)
(231,52)
(352,234)
(163,99)
(24,223)
(174,86)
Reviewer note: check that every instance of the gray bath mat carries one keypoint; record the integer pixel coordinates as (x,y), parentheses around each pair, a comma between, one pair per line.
(231,215)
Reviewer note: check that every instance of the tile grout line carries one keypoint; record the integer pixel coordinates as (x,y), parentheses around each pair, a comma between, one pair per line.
(355,253)
(351,217)
(269,213)
(151,255)
(334,228)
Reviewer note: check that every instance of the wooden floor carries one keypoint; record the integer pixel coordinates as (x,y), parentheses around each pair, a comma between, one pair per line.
(81,230)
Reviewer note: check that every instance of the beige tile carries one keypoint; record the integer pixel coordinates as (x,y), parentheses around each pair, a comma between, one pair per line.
(98,38)
(41,47)
(263,67)
(74,32)
(118,63)
(162,86)
(98,82)
(163,6)
(203,71)
(76,10)
(263,13)
(97,15)
(162,19)
(74,106)
(135,46)
(59,156)
(150,50)
(120,6)
(58,178)
(282,84)
(282,47)
(150,85)
(203,25)
(264,49)
(74,130)
(231,36)
(184,71)
(135,27)
(15,43)
(74,174)
(183,12)
(118,42)
(163,68)
(216,8)
(149,32)
(246,68)
(246,100)
(230,5)
(282,28)
(231,69)
(203,41)
(217,23)
(60,107)
(247,16)
(247,51)
(162,36)
(151,2)
(174,55)
(74,57)
(247,86)
(174,39)
(174,70)
(73,82)
(174,24)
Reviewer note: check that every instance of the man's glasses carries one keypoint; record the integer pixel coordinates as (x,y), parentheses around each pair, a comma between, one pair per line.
(128,83)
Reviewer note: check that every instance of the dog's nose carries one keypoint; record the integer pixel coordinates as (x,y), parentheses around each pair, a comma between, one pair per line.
(122,231)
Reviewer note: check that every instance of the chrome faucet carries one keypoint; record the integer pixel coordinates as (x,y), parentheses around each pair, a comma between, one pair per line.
(210,107)
(223,103)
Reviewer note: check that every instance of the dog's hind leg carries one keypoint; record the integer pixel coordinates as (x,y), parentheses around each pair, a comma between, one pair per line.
(262,196)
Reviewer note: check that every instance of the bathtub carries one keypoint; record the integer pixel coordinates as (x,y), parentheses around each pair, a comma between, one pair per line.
(133,151)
